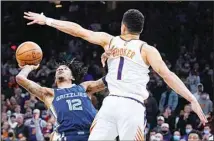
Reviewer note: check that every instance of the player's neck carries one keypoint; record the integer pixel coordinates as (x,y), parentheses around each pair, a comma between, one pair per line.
(128,36)
(64,84)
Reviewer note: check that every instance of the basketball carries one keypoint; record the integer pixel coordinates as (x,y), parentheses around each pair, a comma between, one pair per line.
(29,53)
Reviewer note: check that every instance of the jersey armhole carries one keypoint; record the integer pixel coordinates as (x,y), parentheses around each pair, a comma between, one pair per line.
(110,43)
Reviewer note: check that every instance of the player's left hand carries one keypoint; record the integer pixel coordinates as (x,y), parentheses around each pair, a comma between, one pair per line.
(35,18)
(105,56)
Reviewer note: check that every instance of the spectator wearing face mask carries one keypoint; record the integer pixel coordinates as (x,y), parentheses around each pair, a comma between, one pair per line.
(207,136)
(165,132)
(176,136)
(187,131)
(206,104)
(157,137)
(200,90)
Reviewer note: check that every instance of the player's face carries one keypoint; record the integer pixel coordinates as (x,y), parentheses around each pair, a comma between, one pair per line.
(63,72)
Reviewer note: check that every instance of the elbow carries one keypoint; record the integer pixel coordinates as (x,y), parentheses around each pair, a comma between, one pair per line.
(167,76)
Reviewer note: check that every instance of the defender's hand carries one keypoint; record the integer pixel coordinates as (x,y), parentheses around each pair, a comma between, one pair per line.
(197,109)
(35,18)
(32,67)
(105,56)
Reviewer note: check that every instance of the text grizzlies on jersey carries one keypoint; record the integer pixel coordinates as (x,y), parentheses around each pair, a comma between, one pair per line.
(81,94)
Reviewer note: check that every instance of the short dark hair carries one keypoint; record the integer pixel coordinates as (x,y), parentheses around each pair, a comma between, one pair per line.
(196,132)
(133,19)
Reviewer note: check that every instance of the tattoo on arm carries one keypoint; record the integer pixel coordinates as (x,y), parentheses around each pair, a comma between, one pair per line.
(33,88)
(95,86)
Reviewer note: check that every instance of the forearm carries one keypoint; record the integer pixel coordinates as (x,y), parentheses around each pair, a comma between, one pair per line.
(178,86)
(65,26)
(24,72)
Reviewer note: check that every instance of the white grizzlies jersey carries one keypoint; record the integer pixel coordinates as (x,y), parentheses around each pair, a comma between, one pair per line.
(127,71)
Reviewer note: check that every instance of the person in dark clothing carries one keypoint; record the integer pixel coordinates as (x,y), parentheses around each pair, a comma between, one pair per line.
(187,118)
(151,110)
(166,132)
(169,117)
(21,128)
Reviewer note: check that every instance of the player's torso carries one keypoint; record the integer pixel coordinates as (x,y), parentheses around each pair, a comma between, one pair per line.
(127,71)
(72,109)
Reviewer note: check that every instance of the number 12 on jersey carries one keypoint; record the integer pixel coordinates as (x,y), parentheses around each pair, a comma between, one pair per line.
(74,104)
(120,68)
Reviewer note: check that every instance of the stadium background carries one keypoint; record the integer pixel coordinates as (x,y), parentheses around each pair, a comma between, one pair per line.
(181,31)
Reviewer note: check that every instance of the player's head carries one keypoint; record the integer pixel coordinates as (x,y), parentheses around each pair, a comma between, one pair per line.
(132,22)
(69,71)
(63,73)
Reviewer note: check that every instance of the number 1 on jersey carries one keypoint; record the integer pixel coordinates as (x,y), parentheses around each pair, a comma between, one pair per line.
(119,73)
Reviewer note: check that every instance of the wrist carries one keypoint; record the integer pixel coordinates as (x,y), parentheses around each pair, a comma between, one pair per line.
(48,21)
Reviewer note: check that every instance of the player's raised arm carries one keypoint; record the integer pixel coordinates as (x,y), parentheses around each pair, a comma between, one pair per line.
(154,59)
(74,29)
(94,86)
(30,86)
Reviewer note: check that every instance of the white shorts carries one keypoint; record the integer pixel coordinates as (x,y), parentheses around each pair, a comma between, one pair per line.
(119,116)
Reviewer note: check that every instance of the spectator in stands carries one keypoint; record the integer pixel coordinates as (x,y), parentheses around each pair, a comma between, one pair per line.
(151,110)
(200,90)
(166,132)
(187,118)
(168,98)
(11,137)
(160,121)
(158,137)
(169,117)
(207,136)
(151,135)
(194,135)
(33,123)
(176,136)
(12,121)
(21,128)
(193,80)
(5,130)
(187,131)
(206,104)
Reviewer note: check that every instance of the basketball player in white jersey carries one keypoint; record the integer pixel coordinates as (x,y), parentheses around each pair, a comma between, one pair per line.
(122,112)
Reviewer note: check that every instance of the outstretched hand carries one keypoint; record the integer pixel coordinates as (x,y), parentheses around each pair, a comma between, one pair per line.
(197,109)
(35,18)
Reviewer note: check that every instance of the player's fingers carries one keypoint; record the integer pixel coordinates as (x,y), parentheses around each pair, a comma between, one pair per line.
(20,66)
(29,18)
(27,14)
(33,22)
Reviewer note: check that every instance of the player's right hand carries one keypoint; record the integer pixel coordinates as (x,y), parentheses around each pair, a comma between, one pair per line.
(32,67)
(35,18)
(105,56)
(197,109)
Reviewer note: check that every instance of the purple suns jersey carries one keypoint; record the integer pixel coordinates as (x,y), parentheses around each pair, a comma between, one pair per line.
(127,71)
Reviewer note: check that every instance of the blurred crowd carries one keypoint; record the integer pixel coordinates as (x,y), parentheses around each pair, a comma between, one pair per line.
(181,31)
